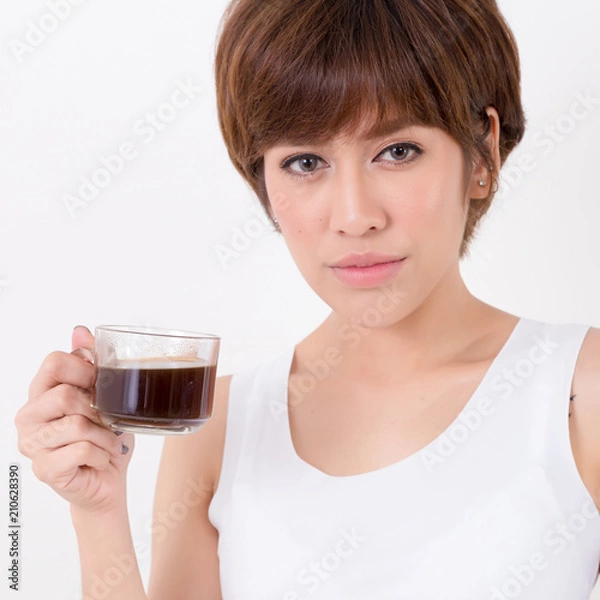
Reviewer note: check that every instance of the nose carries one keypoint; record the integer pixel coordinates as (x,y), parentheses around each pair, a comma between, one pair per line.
(355,207)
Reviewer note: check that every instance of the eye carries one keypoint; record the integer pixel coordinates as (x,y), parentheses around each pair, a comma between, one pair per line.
(305,166)
(402,152)
(302,165)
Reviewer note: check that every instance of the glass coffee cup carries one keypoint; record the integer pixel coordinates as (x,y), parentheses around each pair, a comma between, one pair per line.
(153,380)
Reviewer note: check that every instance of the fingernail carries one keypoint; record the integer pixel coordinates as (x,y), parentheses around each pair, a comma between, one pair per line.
(124,449)
(118,433)
(84,327)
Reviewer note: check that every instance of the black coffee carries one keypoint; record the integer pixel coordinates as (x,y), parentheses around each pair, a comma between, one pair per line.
(156,393)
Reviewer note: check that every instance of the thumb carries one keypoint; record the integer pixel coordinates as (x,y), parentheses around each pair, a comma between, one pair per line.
(82,338)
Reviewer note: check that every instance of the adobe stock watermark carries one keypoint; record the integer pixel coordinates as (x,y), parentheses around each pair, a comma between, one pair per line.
(545,141)
(242,237)
(311,577)
(195,493)
(503,387)
(555,541)
(351,334)
(145,131)
(44,436)
(40,29)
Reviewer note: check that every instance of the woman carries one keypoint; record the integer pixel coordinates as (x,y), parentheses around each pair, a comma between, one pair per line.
(420,443)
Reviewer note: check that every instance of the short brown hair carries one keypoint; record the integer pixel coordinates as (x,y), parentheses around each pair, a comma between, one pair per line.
(309,69)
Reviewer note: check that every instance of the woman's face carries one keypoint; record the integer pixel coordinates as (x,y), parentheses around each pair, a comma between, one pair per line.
(402,194)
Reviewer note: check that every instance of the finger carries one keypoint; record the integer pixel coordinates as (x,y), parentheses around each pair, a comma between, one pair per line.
(60,401)
(59,367)
(85,354)
(76,428)
(72,429)
(64,400)
(82,338)
(58,467)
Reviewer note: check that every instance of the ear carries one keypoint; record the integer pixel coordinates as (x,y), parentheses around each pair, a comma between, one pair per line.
(481,175)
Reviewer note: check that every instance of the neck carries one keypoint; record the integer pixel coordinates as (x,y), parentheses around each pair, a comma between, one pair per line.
(443,324)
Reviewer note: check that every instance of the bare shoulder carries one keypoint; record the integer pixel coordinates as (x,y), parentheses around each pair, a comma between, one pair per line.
(184,560)
(584,413)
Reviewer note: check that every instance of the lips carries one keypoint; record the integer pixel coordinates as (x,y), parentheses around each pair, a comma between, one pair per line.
(372,273)
(367,259)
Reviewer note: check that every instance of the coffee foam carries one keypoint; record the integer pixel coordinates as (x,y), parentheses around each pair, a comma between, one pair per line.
(160,362)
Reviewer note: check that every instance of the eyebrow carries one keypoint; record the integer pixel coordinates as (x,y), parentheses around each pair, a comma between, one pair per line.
(377,131)
(387,127)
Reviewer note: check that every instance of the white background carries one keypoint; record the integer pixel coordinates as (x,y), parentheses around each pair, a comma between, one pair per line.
(144,250)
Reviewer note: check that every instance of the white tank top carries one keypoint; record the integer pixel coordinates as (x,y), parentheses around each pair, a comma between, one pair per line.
(492,509)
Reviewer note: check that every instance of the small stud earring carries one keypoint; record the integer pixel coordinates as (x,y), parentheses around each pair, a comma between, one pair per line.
(482,183)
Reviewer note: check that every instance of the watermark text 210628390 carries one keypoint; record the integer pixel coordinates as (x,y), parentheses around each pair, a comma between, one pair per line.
(14,527)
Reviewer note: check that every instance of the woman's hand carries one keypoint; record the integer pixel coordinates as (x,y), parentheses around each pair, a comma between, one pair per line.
(71,450)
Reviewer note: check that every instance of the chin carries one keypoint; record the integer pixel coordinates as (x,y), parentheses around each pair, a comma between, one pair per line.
(371,308)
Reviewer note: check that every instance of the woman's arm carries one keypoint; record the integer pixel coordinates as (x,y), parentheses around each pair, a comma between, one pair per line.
(109,568)
(185,564)
(84,462)
(584,413)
